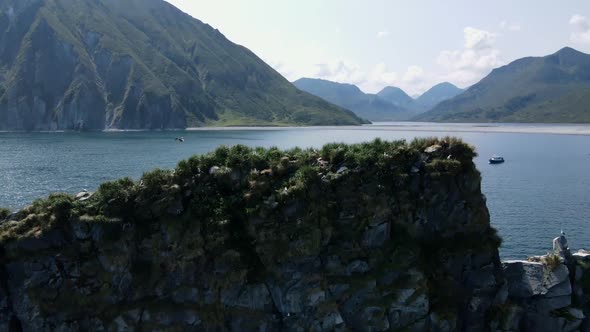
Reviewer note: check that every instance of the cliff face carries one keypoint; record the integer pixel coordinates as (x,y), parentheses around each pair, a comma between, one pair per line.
(136,64)
(371,237)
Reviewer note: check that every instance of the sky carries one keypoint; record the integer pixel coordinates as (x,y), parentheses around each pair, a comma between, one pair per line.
(409,44)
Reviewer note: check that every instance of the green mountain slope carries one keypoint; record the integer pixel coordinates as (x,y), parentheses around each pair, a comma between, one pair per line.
(550,89)
(397,97)
(136,64)
(367,106)
(437,94)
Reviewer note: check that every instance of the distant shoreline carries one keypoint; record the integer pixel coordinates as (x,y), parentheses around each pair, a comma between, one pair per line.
(504,128)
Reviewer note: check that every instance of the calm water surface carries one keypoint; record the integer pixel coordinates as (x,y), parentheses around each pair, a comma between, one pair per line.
(543,187)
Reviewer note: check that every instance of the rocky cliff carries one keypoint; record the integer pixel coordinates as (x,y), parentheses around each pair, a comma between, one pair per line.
(137,64)
(383,236)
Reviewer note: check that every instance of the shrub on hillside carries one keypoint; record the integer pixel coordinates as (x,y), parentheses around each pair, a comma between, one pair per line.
(4,213)
(116,198)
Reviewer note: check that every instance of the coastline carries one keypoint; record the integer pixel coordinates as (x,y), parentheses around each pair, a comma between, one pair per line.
(505,128)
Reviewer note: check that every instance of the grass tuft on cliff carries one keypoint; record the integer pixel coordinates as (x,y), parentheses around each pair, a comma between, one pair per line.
(4,213)
(233,180)
(239,175)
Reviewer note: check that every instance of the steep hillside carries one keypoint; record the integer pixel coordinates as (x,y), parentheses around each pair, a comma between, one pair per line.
(397,97)
(554,88)
(367,106)
(141,64)
(437,94)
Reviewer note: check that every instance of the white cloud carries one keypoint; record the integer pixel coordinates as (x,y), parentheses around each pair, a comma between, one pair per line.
(581,26)
(478,39)
(477,58)
(383,34)
(380,77)
(463,67)
(505,25)
(414,74)
(284,69)
(340,71)
(345,72)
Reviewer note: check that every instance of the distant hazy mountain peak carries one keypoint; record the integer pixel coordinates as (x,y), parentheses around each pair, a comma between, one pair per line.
(391,103)
(349,96)
(437,94)
(569,50)
(396,95)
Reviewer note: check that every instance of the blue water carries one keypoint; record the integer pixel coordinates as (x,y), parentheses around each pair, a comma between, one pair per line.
(543,187)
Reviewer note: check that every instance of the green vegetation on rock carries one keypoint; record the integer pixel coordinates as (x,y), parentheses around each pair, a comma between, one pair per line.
(4,213)
(378,234)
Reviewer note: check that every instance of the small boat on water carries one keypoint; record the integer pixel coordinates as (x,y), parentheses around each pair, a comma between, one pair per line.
(180,139)
(496,160)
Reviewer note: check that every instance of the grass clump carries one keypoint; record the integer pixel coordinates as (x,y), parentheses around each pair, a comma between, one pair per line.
(552,261)
(4,213)
(60,206)
(115,198)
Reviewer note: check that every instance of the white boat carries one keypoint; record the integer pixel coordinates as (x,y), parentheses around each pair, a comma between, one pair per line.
(496,160)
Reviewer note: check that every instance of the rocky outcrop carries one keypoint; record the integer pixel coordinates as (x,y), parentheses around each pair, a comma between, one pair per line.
(546,293)
(371,237)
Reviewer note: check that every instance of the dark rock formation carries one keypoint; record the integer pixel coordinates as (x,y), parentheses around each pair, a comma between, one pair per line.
(372,237)
(547,293)
(343,238)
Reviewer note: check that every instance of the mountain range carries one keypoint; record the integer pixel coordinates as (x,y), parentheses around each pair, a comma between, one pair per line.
(137,64)
(144,64)
(550,89)
(367,106)
(390,104)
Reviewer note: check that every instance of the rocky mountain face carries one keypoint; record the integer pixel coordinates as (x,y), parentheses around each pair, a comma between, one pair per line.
(382,236)
(551,89)
(136,64)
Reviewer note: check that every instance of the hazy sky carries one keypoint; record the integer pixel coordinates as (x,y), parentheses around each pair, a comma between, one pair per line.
(411,44)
